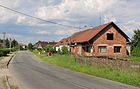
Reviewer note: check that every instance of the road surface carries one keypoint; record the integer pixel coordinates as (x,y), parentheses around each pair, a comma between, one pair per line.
(32,73)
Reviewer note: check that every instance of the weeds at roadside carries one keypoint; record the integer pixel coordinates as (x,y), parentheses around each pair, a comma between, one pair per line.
(4,83)
(13,87)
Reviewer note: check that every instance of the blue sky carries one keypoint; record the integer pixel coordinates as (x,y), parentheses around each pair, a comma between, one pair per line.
(80,13)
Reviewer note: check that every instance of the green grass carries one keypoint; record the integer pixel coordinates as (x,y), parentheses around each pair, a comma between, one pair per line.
(68,61)
(132,58)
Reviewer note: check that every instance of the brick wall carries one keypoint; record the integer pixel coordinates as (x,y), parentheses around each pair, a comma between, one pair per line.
(118,40)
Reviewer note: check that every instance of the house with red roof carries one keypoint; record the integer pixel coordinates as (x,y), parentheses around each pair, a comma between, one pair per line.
(61,43)
(42,44)
(104,40)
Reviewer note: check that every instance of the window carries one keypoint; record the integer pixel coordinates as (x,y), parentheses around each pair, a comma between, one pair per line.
(117,49)
(102,49)
(87,48)
(109,36)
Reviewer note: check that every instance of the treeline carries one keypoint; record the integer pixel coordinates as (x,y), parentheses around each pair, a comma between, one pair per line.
(135,49)
(8,45)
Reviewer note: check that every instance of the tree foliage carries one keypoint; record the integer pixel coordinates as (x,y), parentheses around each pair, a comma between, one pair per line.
(7,43)
(63,50)
(136,43)
(14,43)
(49,48)
(30,47)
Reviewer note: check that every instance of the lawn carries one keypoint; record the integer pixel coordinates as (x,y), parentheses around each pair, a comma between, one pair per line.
(68,61)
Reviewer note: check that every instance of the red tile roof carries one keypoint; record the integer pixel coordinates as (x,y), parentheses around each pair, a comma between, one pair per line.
(62,42)
(86,35)
(43,44)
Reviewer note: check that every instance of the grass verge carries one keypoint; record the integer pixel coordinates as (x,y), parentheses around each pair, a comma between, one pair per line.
(68,61)
(132,58)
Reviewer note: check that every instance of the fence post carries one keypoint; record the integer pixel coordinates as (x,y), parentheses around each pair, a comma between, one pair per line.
(75,58)
(85,61)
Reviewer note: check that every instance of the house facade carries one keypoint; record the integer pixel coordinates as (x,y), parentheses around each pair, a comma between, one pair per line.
(104,40)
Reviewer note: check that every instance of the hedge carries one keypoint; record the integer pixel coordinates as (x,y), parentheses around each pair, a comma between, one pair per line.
(4,52)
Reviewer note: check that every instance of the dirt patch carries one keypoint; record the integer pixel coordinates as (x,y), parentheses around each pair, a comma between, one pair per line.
(5,75)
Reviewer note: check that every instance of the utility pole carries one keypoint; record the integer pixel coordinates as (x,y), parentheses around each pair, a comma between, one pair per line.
(10,44)
(4,35)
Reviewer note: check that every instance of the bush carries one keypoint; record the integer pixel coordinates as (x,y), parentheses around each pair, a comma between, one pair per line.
(63,50)
(136,51)
(16,48)
(49,48)
(4,52)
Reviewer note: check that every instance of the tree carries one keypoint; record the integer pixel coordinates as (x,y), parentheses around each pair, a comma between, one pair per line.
(30,46)
(136,43)
(14,43)
(7,43)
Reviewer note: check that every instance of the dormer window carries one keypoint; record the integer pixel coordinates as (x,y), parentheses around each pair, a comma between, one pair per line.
(110,36)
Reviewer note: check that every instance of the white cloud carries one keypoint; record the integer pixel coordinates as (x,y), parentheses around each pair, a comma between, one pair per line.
(49,12)
(43,32)
(109,18)
(74,8)
(130,26)
(6,15)
(21,19)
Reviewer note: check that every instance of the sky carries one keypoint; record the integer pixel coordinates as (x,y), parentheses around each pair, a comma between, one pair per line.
(77,13)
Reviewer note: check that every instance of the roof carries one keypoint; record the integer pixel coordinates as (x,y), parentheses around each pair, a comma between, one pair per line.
(43,44)
(85,36)
(62,41)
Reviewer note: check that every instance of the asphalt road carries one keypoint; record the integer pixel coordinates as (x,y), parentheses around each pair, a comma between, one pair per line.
(31,73)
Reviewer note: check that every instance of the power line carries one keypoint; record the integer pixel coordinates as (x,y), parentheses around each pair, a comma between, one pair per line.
(38,18)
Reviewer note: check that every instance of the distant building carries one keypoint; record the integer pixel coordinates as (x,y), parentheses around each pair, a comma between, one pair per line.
(61,43)
(23,45)
(42,44)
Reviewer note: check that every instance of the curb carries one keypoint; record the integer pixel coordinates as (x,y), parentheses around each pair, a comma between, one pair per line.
(10,60)
(6,77)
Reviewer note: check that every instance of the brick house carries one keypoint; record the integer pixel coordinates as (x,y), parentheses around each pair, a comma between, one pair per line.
(104,40)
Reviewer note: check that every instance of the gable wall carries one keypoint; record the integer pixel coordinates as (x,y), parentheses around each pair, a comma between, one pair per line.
(102,41)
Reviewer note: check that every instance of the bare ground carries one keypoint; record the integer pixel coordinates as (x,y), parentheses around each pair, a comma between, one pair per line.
(5,74)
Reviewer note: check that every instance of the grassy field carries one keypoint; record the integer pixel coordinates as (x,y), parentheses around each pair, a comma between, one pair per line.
(68,61)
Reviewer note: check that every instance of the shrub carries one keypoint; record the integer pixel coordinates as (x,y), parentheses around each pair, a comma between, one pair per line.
(4,52)
(49,48)
(136,51)
(63,50)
